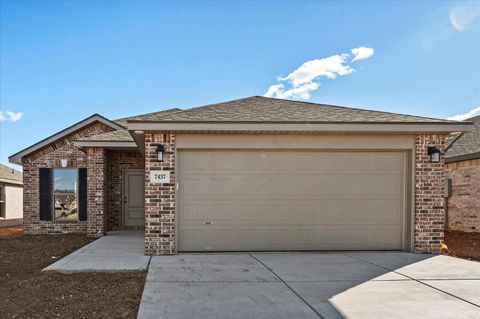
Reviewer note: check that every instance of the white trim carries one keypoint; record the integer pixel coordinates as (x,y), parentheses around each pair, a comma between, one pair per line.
(302,127)
(11,181)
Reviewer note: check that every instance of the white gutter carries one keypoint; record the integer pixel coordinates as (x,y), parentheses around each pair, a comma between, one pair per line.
(302,127)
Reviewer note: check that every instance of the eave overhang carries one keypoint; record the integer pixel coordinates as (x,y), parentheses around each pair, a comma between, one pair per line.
(334,127)
(464,157)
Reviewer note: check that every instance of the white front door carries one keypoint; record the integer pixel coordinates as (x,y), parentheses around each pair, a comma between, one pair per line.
(134,199)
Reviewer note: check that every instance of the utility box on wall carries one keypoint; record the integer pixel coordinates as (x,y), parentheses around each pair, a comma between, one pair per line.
(447,187)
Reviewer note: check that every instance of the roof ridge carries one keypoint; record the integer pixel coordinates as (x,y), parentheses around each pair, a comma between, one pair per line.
(473,118)
(354,108)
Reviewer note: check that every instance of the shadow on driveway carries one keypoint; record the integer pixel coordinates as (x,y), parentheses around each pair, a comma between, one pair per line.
(311,285)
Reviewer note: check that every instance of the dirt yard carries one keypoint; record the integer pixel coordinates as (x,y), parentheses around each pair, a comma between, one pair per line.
(463,245)
(25,292)
(11,231)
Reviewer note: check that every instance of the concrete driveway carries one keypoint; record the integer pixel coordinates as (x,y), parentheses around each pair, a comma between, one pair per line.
(311,285)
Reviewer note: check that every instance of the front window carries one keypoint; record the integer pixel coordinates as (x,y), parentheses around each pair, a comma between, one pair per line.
(65,194)
(2,201)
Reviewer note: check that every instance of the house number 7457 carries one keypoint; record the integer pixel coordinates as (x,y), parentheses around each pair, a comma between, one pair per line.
(159,176)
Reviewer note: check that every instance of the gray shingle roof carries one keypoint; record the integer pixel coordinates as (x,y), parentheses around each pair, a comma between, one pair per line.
(115,136)
(147,117)
(123,135)
(466,143)
(10,174)
(262,109)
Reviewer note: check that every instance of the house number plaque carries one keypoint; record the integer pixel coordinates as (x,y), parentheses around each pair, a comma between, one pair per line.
(159,177)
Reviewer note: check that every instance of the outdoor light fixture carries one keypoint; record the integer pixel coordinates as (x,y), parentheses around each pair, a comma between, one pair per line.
(138,132)
(160,151)
(63,162)
(434,154)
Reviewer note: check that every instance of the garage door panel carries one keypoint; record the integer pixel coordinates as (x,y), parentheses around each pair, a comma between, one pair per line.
(286,200)
(287,238)
(287,212)
(295,186)
(224,162)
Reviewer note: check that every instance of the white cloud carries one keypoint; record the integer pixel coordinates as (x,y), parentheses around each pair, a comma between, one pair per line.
(14,116)
(465,17)
(464,116)
(361,53)
(10,116)
(302,81)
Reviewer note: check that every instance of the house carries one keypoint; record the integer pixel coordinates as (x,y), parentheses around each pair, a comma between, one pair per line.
(250,174)
(11,196)
(462,158)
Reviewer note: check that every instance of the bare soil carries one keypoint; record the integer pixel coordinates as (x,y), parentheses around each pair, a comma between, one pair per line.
(462,244)
(11,231)
(26,292)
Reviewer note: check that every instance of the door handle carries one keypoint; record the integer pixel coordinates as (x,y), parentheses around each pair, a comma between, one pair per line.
(125,199)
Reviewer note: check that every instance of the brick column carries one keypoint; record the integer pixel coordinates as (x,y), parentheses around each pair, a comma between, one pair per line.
(429,200)
(31,200)
(96,191)
(159,198)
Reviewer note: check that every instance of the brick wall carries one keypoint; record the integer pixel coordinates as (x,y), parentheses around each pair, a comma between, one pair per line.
(159,198)
(429,201)
(96,191)
(117,163)
(50,157)
(463,212)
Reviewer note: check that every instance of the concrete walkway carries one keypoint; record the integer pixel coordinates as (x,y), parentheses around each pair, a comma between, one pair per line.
(311,285)
(121,250)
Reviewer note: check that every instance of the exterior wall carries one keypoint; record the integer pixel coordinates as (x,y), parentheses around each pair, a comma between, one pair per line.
(159,198)
(117,163)
(50,157)
(429,202)
(14,202)
(96,191)
(464,205)
(13,205)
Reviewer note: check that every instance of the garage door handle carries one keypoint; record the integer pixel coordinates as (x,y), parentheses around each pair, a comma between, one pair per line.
(209,222)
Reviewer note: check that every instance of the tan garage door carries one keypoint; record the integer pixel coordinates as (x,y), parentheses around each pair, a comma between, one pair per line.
(233,200)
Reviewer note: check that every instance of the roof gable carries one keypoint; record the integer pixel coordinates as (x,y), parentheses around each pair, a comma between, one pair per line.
(122,135)
(17,157)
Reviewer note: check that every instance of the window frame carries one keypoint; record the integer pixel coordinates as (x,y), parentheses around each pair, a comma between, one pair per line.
(54,217)
(3,202)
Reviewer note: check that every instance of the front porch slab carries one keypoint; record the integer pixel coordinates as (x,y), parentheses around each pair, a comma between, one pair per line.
(121,250)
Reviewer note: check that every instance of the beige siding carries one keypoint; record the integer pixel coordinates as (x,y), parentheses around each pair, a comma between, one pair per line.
(13,202)
(290,200)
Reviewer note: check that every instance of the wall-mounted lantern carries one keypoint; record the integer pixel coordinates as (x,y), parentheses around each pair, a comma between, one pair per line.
(434,154)
(160,151)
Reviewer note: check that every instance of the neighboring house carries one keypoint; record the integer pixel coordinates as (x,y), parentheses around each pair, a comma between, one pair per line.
(11,196)
(245,175)
(462,159)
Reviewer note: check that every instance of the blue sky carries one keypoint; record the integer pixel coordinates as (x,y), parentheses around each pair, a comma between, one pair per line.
(62,61)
